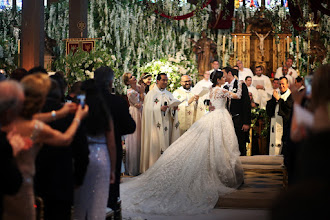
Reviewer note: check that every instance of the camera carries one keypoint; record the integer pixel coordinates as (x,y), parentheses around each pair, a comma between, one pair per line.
(81,99)
(308,85)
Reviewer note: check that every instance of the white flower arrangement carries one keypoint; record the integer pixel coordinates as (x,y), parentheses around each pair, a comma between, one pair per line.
(174,67)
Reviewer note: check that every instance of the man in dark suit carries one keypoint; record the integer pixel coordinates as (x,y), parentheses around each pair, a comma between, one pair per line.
(123,123)
(284,101)
(60,169)
(240,109)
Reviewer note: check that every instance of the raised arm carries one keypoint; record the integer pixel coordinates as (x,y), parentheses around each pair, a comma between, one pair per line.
(54,137)
(236,95)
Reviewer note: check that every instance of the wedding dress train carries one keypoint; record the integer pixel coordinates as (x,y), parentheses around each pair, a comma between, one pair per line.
(194,171)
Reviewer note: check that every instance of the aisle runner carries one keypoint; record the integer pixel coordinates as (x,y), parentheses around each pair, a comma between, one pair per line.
(258,191)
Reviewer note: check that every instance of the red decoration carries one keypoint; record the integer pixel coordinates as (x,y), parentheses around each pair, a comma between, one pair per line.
(224,20)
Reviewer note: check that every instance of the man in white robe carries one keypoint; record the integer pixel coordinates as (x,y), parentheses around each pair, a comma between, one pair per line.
(201,107)
(160,125)
(242,71)
(215,66)
(285,72)
(251,88)
(264,87)
(291,72)
(187,109)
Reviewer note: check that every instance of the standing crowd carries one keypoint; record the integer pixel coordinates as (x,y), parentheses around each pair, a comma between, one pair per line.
(68,150)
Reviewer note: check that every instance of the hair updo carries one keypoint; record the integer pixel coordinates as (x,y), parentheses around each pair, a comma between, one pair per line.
(215,76)
(126,78)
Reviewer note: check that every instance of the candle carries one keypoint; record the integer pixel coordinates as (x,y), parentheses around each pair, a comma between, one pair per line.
(297,44)
(278,45)
(243,43)
(235,43)
(19,47)
(287,43)
(224,43)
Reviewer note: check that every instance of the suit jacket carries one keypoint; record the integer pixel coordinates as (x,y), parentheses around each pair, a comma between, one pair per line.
(58,169)
(123,124)
(241,106)
(123,121)
(11,178)
(285,110)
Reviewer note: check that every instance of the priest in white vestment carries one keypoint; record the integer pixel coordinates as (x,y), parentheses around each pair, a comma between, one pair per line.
(187,109)
(204,83)
(160,125)
(264,87)
(251,88)
(291,72)
(285,72)
(242,71)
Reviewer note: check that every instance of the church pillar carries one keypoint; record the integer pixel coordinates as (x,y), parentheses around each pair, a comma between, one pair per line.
(33,34)
(77,12)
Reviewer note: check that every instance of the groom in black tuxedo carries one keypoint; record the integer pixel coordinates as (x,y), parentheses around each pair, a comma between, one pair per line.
(240,109)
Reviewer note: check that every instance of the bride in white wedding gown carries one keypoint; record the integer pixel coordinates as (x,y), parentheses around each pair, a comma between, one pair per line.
(195,170)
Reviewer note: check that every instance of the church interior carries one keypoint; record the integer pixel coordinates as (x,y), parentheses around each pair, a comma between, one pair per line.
(76,37)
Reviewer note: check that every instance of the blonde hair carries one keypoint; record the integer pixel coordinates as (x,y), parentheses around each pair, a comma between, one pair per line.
(126,79)
(36,87)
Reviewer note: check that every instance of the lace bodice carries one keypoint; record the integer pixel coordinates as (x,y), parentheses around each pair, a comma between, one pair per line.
(133,97)
(218,96)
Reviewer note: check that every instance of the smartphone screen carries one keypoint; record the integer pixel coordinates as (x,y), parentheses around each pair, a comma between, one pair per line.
(308,85)
(81,99)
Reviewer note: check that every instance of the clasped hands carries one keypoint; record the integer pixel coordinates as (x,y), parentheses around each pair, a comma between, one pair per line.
(260,87)
(165,107)
(192,99)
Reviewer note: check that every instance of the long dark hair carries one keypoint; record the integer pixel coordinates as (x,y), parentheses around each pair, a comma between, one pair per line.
(215,76)
(98,119)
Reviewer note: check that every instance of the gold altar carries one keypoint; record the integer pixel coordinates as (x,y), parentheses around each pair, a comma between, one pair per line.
(260,46)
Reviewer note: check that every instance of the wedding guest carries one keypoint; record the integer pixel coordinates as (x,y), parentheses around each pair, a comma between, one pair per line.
(243,71)
(205,82)
(59,77)
(276,84)
(123,124)
(284,72)
(187,109)
(299,82)
(279,109)
(90,200)
(73,92)
(2,75)
(308,197)
(18,74)
(36,86)
(11,102)
(69,173)
(291,72)
(251,88)
(135,95)
(37,69)
(263,86)
(145,80)
(240,109)
(160,120)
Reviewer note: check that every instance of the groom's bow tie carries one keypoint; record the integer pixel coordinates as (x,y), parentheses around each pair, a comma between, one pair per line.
(226,87)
